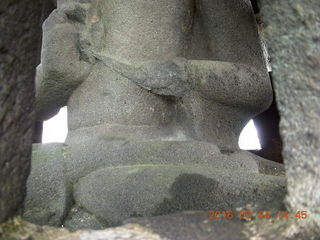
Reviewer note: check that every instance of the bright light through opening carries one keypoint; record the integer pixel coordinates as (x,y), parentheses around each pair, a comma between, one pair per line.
(55,129)
(248,139)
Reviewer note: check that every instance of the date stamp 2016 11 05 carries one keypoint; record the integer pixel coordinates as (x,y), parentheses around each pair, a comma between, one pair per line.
(252,215)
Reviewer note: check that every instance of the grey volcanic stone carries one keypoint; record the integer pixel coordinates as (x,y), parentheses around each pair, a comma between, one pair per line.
(117,96)
(49,194)
(215,80)
(156,101)
(268,167)
(61,69)
(93,154)
(20,35)
(60,171)
(117,193)
(78,218)
(293,36)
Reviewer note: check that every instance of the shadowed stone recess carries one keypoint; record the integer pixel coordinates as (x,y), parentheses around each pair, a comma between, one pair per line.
(267,125)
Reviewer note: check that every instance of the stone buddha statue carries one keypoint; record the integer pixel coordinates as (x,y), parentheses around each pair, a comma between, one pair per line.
(158,92)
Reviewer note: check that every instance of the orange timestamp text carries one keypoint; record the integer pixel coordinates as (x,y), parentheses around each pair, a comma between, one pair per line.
(251,215)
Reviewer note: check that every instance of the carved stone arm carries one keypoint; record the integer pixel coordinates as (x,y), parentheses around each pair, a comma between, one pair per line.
(168,78)
(213,80)
(61,69)
(231,83)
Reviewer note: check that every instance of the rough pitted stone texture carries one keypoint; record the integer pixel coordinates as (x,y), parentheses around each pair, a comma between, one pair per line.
(112,170)
(98,94)
(61,69)
(293,36)
(20,35)
(78,218)
(115,194)
(49,197)
(151,96)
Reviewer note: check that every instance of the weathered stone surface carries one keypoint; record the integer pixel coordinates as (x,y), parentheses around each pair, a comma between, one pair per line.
(210,83)
(153,96)
(78,218)
(107,96)
(58,167)
(20,35)
(268,167)
(293,36)
(115,194)
(49,194)
(61,69)
(93,154)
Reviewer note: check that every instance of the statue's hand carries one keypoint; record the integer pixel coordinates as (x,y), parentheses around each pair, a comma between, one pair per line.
(61,69)
(167,78)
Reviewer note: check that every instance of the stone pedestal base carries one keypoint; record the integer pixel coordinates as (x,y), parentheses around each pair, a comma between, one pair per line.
(101,182)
